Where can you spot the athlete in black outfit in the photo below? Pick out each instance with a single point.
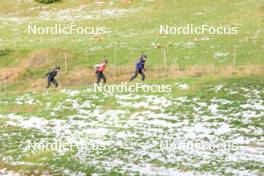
(51, 77)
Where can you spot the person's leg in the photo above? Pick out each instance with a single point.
(98, 75)
(142, 75)
(134, 76)
(103, 77)
(49, 83)
(55, 83)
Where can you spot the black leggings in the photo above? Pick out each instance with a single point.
(53, 81)
(141, 72)
(100, 75)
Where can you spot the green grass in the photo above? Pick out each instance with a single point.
(144, 23)
(133, 32)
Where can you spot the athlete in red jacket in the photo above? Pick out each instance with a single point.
(100, 71)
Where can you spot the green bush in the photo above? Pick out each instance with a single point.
(46, 1)
(4, 52)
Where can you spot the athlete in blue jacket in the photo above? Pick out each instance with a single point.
(140, 68)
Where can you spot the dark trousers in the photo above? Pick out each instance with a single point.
(53, 81)
(100, 75)
(141, 72)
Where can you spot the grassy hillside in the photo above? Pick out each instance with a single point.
(211, 123)
(133, 26)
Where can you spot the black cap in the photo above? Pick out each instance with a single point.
(105, 61)
(144, 56)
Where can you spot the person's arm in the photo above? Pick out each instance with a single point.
(46, 75)
(137, 65)
(97, 65)
(143, 63)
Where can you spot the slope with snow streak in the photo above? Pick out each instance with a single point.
(156, 135)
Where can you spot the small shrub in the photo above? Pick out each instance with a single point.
(182, 67)
(4, 52)
(46, 1)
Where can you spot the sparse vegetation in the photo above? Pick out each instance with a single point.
(47, 1)
(4, 52)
